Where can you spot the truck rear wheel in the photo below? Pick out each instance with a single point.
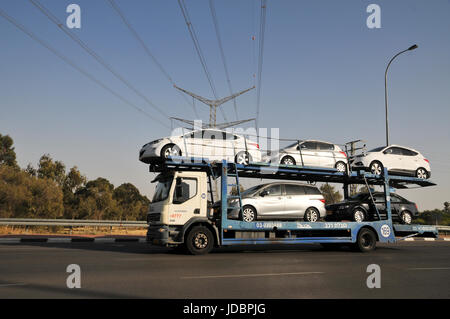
(199, 241)
(366, 240)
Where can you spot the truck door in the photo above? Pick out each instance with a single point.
(186, 201)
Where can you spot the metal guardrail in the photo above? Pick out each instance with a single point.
(70, 222)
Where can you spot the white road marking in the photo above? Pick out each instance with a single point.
(254, 275)
(435, 268)
(429, 239)
(409, 239)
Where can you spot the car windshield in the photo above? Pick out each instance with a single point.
(378, 149)
(251, 190)
(162, 189)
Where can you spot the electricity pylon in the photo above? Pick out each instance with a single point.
(214, 104)
(220, 126)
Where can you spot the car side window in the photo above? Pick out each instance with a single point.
(309, 145)
(408, 152)
(325, 146)
(312, 190)
(393, 151)
(213, 135)
(378, 198)
(395, 199)
(274, 190)
(294, 189)
(230, 137)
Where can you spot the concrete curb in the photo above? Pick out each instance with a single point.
(129, 240)
(425, 239)
(71, 240)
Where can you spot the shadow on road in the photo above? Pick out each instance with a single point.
(146, 249)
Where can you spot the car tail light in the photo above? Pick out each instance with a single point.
(426, 160)
(255, 144)
(322, 200)
(417, 207)
(343, 153)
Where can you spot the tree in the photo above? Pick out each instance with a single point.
(234, 192)
(25, 196)
(133, 206)
(7, 153)
(31, 170)
(95, 200)
(331, 195)
(54, 170)
(73, 182)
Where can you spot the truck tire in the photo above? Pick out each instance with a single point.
(199, 240)
(366, 241)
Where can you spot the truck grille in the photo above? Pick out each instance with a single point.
(153, 217)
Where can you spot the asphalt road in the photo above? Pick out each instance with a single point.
(136, 270)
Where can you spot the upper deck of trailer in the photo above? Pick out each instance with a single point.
(288, 172)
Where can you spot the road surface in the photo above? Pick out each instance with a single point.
(137, 270)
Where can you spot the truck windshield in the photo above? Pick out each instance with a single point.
(162, 189)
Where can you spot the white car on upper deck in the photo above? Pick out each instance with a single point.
(211, 144)
(311, 153)
(397, 159)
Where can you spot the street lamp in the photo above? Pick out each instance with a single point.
(385, 89)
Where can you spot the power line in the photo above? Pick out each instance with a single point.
(147, 50)
(198, 49)
(222, 53)
(75, 66)
(91, 52)
(262, 28)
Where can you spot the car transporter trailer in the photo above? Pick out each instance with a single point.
(199, 232)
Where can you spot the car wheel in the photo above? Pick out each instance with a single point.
(311, 215)
(422, 173)
(366, 240)
(199, 241)
(359, 215)
(288, 160)
(341, 167)
(243, 158)
(170, 150)
(376, 168)
(406, 217)
(248, 214)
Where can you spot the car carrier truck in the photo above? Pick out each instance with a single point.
(185, 214)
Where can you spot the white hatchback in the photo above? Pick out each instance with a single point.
(211, 144)
(312, 153)
(397, 159)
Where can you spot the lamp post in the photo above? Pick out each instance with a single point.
(385, 89)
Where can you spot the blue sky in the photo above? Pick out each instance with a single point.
(323, 77)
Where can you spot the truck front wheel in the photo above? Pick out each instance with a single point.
(199, 241)
(366, 241)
